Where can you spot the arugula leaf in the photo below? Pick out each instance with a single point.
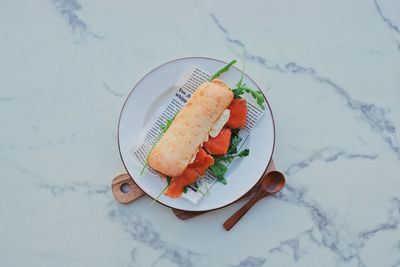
(235, 140)
(195, 187)
(243, 153)
(222, 180)
(165, 127)
(240, 82)
(229, 158)
(168, 179)
(242, 88)
(219, 170)
(146, 162)
(238, 90)
(205, 183)
(257, 95)
(223, 70)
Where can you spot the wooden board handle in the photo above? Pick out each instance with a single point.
(132, 191)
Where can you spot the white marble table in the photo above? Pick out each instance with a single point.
(331, 71)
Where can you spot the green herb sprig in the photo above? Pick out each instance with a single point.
(223, 70)
(168, 179)
(242, 88)
(165, 127)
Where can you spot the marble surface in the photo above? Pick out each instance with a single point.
(331, 71)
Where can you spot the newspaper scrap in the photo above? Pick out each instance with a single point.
(180, 94)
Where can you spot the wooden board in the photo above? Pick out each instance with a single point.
(133, 192)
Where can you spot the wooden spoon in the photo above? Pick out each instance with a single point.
(272, 183)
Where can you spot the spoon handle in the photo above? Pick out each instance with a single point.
(241, 212)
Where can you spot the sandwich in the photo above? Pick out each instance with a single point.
(202, 136)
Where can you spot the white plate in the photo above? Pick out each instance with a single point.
(149, 93)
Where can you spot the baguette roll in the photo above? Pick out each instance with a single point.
(191, 126)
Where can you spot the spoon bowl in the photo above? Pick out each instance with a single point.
(273, 182)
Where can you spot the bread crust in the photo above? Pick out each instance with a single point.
(171, 155)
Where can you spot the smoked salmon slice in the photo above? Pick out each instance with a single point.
(177, 184)
(219, 145)
(237, 118)
(202, 162)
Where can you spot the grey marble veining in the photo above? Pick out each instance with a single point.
(327, 154)
(69, 10)
(330, 71)
(370, 113)
(392, 26)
